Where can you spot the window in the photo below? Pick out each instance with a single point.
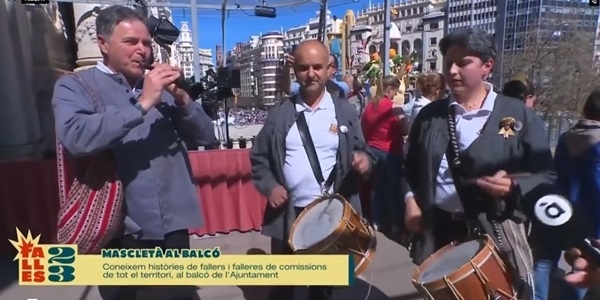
(433, 41)
(432, 66)
(434, 25)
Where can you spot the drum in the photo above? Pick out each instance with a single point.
(470, 270)
(330, 225)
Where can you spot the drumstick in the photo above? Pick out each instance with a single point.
(511, 176)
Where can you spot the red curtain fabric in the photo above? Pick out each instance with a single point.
(29, 195)
(229, 199)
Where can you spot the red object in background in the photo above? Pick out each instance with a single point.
(29, 196)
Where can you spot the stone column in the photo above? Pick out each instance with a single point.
(20, 134)
(88, 53)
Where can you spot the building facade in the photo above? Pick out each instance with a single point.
(246, 58)
(206, 60)
(511, 22)
(480, 14)
(271, 57)
(185, 52)
(433, 32)
(547, 19)
(408, 17)
(185, 49)
(310, 30)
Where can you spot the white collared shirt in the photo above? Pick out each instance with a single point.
(468, 127)
(102, 67)
(323, 128)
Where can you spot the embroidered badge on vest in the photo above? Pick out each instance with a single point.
(333, 128)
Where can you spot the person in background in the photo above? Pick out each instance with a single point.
(431, 87)
(384, 128)
(522, 90)
(356, 96)
(577, 163)
(292, 88)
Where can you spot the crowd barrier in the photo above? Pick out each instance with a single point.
(29, 196)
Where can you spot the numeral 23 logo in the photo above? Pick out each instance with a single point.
(62, 256)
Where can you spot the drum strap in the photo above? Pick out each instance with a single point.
(309, 147)
(454, 164)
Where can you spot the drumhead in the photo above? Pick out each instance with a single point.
(317, 223)
(449, 261)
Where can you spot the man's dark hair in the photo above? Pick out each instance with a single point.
(518, 89)
(110, 17)
(591, 108)
(477, 43)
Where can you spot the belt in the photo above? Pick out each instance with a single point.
(454, 216)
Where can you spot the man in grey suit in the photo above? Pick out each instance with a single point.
(279, 159)
(476, 161)
(144, 128)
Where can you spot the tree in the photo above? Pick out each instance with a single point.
(560, 64)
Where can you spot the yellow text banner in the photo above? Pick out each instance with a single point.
(51, 265)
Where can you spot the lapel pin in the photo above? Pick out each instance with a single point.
(507, 125)
(343, 129)
(518, 126)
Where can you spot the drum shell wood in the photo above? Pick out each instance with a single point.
(352, 236)
(465, 279)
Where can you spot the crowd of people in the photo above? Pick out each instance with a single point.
(453, 167)
(245, 116)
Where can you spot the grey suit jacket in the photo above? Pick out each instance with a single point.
(526, 152)
(268, 157)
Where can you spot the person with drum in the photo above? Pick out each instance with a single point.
(474, 161)
(310, 145)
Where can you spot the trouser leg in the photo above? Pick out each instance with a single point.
(281, 292)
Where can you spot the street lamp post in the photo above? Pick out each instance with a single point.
(386, 38)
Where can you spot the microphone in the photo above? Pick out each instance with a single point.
(556, 211)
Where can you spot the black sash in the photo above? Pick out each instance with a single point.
(309, 147)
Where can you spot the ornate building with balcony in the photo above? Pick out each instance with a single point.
(185, 49)
(408, 19)
(433, 32)
(271, 55)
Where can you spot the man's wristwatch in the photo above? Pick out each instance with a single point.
(140, 107)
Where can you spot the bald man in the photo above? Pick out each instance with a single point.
(292, 88)
(280, 154)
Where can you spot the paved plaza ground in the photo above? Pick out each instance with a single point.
(389, 275)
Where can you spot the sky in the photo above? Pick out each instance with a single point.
(242, 24)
